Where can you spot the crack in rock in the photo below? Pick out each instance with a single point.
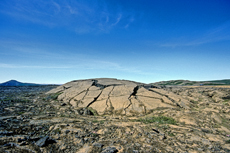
(135, 89)
(172, 100)
(77, 95)
(86, 92)
(141, 103)
(81, 93)
(95, 99)
(111, 106)
(101, 86)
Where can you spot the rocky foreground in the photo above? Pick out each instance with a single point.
(109, 115)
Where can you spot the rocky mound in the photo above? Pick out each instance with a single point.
(121, 97)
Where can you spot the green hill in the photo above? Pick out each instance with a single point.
(189, 83)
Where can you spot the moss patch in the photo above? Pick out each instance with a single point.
(157, 119)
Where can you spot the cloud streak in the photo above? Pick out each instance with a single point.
(84, 64)
(217, 34)
(12, 66)
(80, 16)
(22, 51)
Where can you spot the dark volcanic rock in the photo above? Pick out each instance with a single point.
(98, 145)
(42, 142)
(45, 141)
(6, 133)
(109, 150)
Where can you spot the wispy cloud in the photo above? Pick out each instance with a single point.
(20, 49)
(58, 7)
(57, 60)
(85, 64)
(113, 66)
(219, 33)
(12, 66)
(80, 16)
(30, 11)
(117, 20)
(131, 20)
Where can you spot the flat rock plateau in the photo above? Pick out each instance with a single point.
(109, 115)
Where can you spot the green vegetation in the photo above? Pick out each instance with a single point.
(225, 122)
(15, 99)
(7, 99)
(20, 113)
(220, 82)
(188, 83)
(216, 125)
(95, 121)
(228, 141)
(175, 82)
(23, 100)
(226, 102)
(158, 119)
(194, 102)
(57, 131)
(212, 84)
(178, 83)
(93, 111)
(63, 115)
(171, 134)
(53, 96)
(94, 134)
(98, 121)
(165, 127)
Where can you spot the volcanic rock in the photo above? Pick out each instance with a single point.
(193, 119)
(42, 142)
(112, 96)
(45, 141)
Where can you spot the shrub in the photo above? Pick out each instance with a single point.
(93, 111)
(158, 119)
(53, 96)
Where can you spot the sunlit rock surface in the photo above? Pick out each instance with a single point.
(112, 96)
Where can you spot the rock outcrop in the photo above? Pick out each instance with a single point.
(112, 96)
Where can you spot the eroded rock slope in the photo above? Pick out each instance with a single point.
(112, 96)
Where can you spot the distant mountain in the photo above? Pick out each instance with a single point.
(12, 83)
(188, 82)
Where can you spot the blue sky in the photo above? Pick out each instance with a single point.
(56, 41)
